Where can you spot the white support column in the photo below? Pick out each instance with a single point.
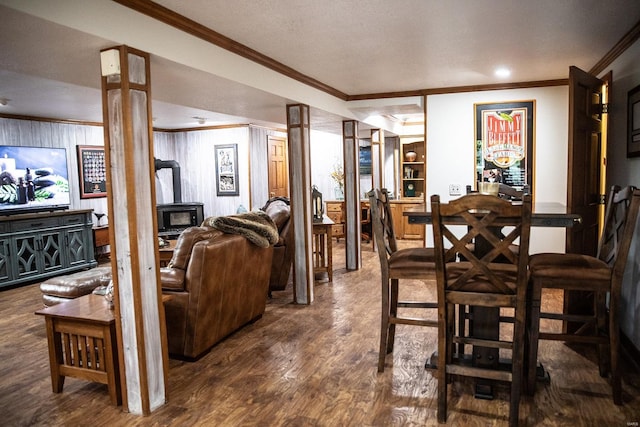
(377, 157)
(141, 329)
(300, 192)
(353, 214)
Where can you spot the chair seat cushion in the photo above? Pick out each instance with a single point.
(413, 259)
(573, 267)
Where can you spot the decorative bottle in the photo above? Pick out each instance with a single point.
(31, 191)
(22, 192)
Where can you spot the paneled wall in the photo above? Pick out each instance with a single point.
(195, 153)
(58, 135)
(258, 154)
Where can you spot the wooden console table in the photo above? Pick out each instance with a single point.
(323, 247)
(82, 343)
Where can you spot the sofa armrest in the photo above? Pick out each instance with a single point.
(172, 279)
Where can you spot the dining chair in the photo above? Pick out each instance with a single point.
(395, 264)
(481, 281)
(601, 275)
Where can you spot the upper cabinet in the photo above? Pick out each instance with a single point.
(413, 168)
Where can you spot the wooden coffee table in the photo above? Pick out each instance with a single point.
(82, 343)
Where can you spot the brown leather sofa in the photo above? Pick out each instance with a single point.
(280, 212)
(219, 283)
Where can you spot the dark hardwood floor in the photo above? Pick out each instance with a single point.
(304, 366)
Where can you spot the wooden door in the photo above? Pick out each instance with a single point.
(278, 167)
(587, 140)
(585, 186)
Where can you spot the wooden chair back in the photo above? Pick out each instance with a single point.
(382, 224)
(615, 219)
(485, 217)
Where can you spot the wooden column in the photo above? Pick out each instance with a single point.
(300, 193)
(352, 195)
(377, 157)
(141, 329)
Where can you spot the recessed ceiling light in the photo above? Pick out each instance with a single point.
(502, 72)
(4, 101)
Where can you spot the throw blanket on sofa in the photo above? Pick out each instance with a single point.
(257, 227)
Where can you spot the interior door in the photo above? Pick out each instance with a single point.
(586, 172)
(278, 167)
(587, 141)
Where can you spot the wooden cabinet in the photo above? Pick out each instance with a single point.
(401, 225)
(335, 211)
(413, 171)
(40, 245)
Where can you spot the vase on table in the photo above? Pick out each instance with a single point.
(339, 192)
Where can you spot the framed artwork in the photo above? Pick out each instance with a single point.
(633, 122)
(365, 160)
(227, 170)
(504, 143)
(92, 171)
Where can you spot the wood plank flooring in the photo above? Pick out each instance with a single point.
(304, 366)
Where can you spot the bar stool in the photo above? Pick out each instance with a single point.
(601, 275)
(396, 264)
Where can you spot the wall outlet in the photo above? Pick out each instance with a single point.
(455, 190)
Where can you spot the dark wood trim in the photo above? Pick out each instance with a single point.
(45, 119)
(193, 129)
(185, 24)
(623, 44)
(460, 89)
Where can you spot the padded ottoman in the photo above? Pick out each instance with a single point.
(63, 288)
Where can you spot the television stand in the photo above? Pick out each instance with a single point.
(40, 245)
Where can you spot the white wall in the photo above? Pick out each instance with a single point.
(326, 151)
(451, 147)
(626, 171)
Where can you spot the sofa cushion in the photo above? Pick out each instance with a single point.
(184, 245)
(76, 284)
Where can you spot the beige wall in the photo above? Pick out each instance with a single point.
(451, 147)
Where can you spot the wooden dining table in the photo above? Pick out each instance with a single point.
(486, 320)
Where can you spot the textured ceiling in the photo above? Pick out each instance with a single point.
(354, 46)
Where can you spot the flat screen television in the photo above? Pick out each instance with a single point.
(33, 179)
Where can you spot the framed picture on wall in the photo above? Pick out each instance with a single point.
(504, 143)
(227, 170)
(365, 160)
(92, 171)
(633, 122)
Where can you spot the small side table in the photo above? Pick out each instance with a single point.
(166, 253)
(100, 240)
(323, 247)
(82, 343)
